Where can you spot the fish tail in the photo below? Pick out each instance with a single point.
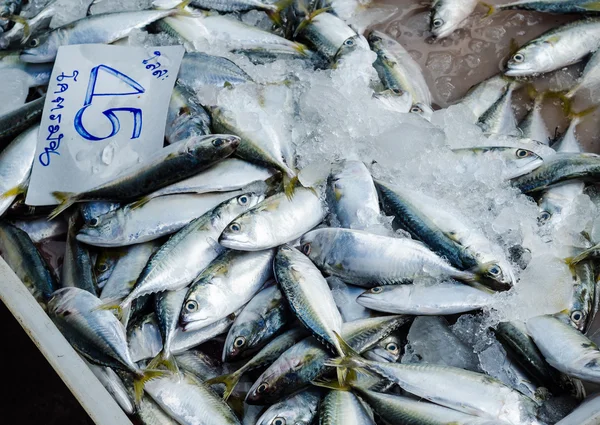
(591, 5)
(578, 116)
(309, 17)
(180, 9)
(289, 185)
(346, 352)
(15, 191)
(490, 7)
(140, 382)
(22, 21)
(332, 385)
(65, 199)
(301, 48)
(139, 203)
(274, 11)
(113, 305)
(230, 381)
(164, 359)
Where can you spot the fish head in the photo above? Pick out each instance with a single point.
(247, 232)
(283, 414)
(42, 48)
(446, 17)
(533, 58)
(422, 109)
(497, 275)
(103, 229)
(316, 244)
(518, 160)
(240, 337)
(378, 294)
(203, 304)
(272, 384)
(387, 350)
(376, 40)
(212, 146)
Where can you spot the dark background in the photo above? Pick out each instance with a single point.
(31, 392)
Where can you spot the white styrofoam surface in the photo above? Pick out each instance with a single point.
(90, 393)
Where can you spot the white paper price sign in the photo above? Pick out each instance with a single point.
(105, 111)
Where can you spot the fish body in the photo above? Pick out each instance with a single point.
(262, 318)
(517, 160)
(275, 221)
(227, 6)
(482, 96)
(500, 118)
(41, 229)
(308, 294)
(438, 299)
(92, 210)
(168, 309)
(343, 407)
(145, 340)
(553, 6)
(16, 121)
(328, 34)
(298, 409)
(154, 219)
(201, 69)
(151, 413)
(590, 77)
(77, 270)
(225, 286)
(371, 260)
(16, 161)
(179, 261)
(556, 48)
(533, 125)
(24, 259)
(352, 195)
(115, 387)
(185, 116)
(201, 365)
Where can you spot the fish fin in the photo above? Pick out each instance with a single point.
(301, 48)
(332, 385)
(139, 203)
(274, 12)
(230, 381)
(593, 5)
(15, 191)
(140, 382)
(22, 21)
(552, 40)
(347, 350)
(166, 360)
(289, 185)
(581, 114)
(112, 305)
(490, 7)
(308, 19)
(65, 199)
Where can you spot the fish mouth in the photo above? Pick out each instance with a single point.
(32, 57)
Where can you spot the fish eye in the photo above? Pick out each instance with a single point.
(374, 37)
(34, 42)
(306, 249)
(376, 290)
(262, 388)
(349, 42)
(397, 91)
(576, 316)
(495, 270)
(523, 153)
(544, 216)
(239, 341)
(278, 421)
(392, 347)
(416, 109)
(235, 227)
(102, 267)
(94, 222)
(191, 306)
(243, 200)
(438, 22)
(218, 142)
(519, 57)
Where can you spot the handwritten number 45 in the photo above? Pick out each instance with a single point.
(110, 114)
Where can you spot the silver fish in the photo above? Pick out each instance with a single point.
(200, 69)
(565, 348)
(224, 286)
(92, 210)
(518, 160)
(328, 34)
(345, 297)
(398, 71)
(168, 308)
(308, 295)
(168, 165)
(275, 221)
(388, 350)
(533, 126)
(201, 365)
(151, 413)
(556, 48)
(421, 300)
(115, 386)
(468, 392)
(343, 407)
(482, 96)
(16, 121)
(589, 79)
(228, 175)
(184, 340)
(189, 251)
(553, 6)
(16, 162)
(189, 402)
(299, 409)
(102, 28)
(371, 260)
(145, 340)
(228, 6)
(41, 229)
(500, 118)
(352, 195)
(24, 259)
(262, 318)
(160, 216)
(449, 15)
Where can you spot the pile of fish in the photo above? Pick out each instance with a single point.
(316, 242)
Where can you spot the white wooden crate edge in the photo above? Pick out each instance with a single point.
(78, 377)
